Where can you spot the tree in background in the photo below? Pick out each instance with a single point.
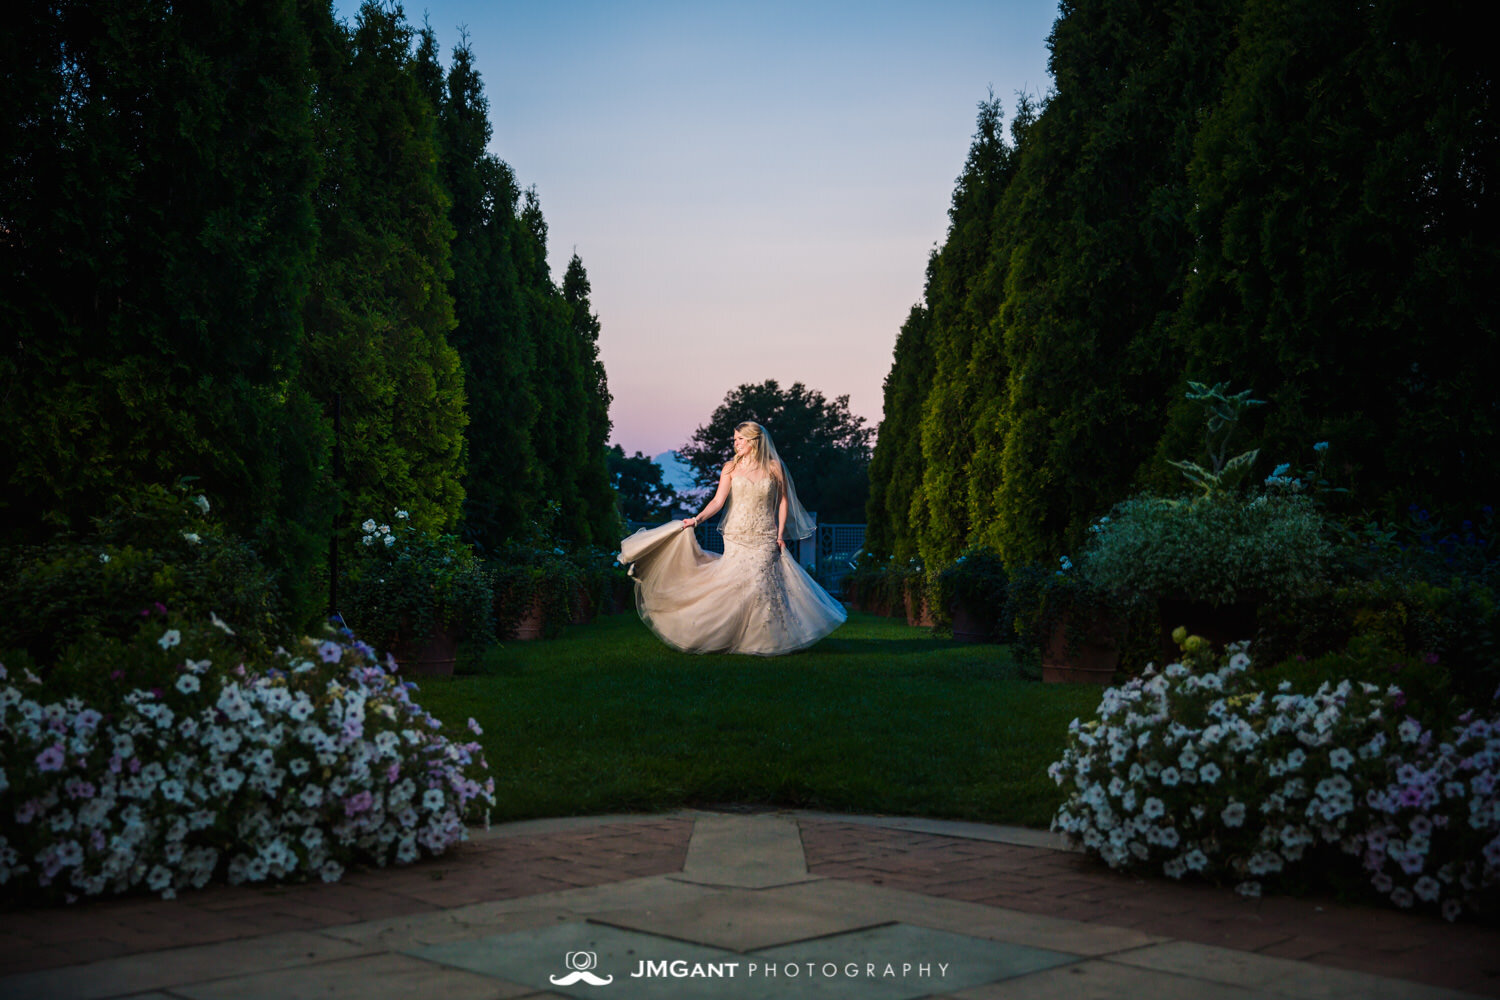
(562, 384)
(637, 481)
(826, 447)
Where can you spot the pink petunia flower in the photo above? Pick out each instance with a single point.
(51, 759)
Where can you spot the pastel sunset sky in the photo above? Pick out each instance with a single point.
(754, 188)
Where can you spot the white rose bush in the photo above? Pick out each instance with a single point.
(1199, 770)
(286, 765)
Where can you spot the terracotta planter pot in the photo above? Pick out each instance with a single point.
(1092, 661)
(431, 656)
(621, 596)
(583, 601)
(970, 625)
(529, 628)
(852, 597)
(917, 611)
(1220, 625)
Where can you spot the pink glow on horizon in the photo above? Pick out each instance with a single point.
(754, 189)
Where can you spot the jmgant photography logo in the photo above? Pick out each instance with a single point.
(582, 963)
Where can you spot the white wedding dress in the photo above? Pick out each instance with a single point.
(754, 598)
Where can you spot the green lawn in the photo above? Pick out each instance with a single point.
(878, 718)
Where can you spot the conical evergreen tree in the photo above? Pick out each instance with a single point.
(557, 379)
(1347, 211)
(599, 521)
(379, 313)
(939, 512)
(1098, 221)
(494, 333)
(529, 349)
(896, 466)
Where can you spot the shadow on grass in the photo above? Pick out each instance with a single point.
(916, 645)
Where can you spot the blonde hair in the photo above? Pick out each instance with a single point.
(760, 443)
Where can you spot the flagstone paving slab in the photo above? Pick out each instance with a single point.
(162, 969)
(951, 961)
(375, 977)
(656, 890)
(896, 905)
(1277, 975)
(419, 930)
(751, 852)
(743, 920)
(484, 919)
(536, 958)
(1103, 980)
(1020, 835)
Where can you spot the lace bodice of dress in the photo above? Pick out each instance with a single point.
(753, 507)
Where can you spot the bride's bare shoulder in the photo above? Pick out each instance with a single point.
(728, 467)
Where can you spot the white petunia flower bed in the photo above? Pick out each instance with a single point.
(291, 768)
(1198, 769)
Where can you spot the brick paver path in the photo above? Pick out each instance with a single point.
(493, 868)
(1061, 884)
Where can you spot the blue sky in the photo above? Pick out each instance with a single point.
(753, 188)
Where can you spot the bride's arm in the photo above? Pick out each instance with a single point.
(715, 503)
(781, 506)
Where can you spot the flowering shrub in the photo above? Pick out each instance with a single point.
(1151, 547)
(1435, 835)
(408, 582)
(297, 765)
(165, 542)
(1199, 769)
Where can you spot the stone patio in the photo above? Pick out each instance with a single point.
(741, 904)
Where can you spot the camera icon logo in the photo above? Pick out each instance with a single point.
(581, 963)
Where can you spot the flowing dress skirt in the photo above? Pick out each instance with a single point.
(754, 599)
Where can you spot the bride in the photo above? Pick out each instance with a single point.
(752, 599)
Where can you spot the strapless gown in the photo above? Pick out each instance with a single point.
(754, 599)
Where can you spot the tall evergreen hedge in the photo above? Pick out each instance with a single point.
(224, 222)
(1297, 197)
